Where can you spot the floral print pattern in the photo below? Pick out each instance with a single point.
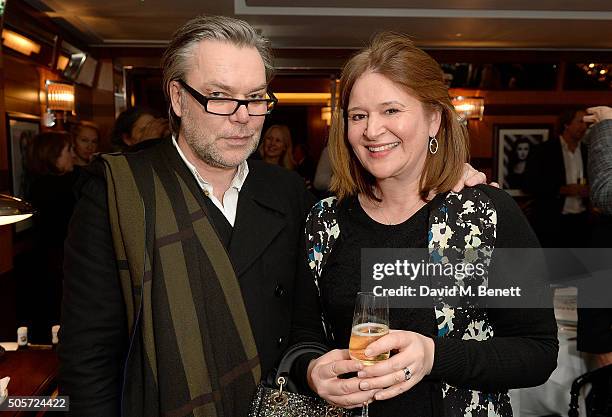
(461, 230)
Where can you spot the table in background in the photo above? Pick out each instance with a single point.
(32, 372)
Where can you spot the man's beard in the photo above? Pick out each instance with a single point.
(205, 145)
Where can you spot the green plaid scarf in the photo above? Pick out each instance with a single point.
(192, 351)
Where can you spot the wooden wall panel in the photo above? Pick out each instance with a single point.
(22, 86)
(103, 107)
(83, 97)
(317, 132)
(24, 83)
(6, 232)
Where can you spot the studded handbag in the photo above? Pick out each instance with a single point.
(279, 397)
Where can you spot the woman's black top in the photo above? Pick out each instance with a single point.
(523, 351)
(53, 198)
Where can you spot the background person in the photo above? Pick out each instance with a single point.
(557, 179)
(135, 126)
(594, 322)
(51, 194)
(85, 143)
(304, 164)
(600, 156)
(276, 147)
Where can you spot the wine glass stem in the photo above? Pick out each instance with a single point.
(364, 410)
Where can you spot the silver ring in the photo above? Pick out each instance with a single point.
(407, 373)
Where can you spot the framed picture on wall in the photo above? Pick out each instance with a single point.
(21, 130)
(514, 144)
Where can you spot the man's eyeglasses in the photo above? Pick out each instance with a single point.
(228, 106)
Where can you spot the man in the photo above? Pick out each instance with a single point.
(557, 179)
(594, 322)
(600, 157)
(181, 259)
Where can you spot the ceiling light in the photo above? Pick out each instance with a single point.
(19, 43)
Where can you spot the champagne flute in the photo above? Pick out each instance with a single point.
(370, 323)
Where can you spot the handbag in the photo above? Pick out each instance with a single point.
(280, 398)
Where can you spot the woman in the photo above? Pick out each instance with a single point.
(397, 149)
(51, 154)
(276, 147)
(86, 141)
(518, 163)
(51, 167)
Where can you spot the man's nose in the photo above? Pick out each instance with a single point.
(241, 115)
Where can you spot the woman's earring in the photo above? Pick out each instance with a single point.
(433, 145)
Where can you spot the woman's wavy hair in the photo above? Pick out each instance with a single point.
(394, 56)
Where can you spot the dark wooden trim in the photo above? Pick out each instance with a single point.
(20, 10)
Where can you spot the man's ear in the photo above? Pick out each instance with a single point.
(175, 98)
(434, 122)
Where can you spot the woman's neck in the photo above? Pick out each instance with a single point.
(272, 159)
(80, 161)
(399, 201)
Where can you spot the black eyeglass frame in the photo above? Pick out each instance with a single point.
(203, 100)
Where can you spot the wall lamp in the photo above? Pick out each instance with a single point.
(468, 107)
(13, 209)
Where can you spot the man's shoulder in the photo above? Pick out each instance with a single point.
(147, 149)
(278, 186)
(153, 154)
(275, 174)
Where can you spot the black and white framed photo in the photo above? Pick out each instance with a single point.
(514, 146)
(21, 130)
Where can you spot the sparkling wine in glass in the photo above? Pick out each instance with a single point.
(370, 323)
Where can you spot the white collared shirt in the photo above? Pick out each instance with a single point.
(230, 198)
(574, 174)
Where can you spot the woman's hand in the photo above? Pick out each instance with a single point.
(597, 114)
(323, 379)
(402, 371)
(470, 178)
